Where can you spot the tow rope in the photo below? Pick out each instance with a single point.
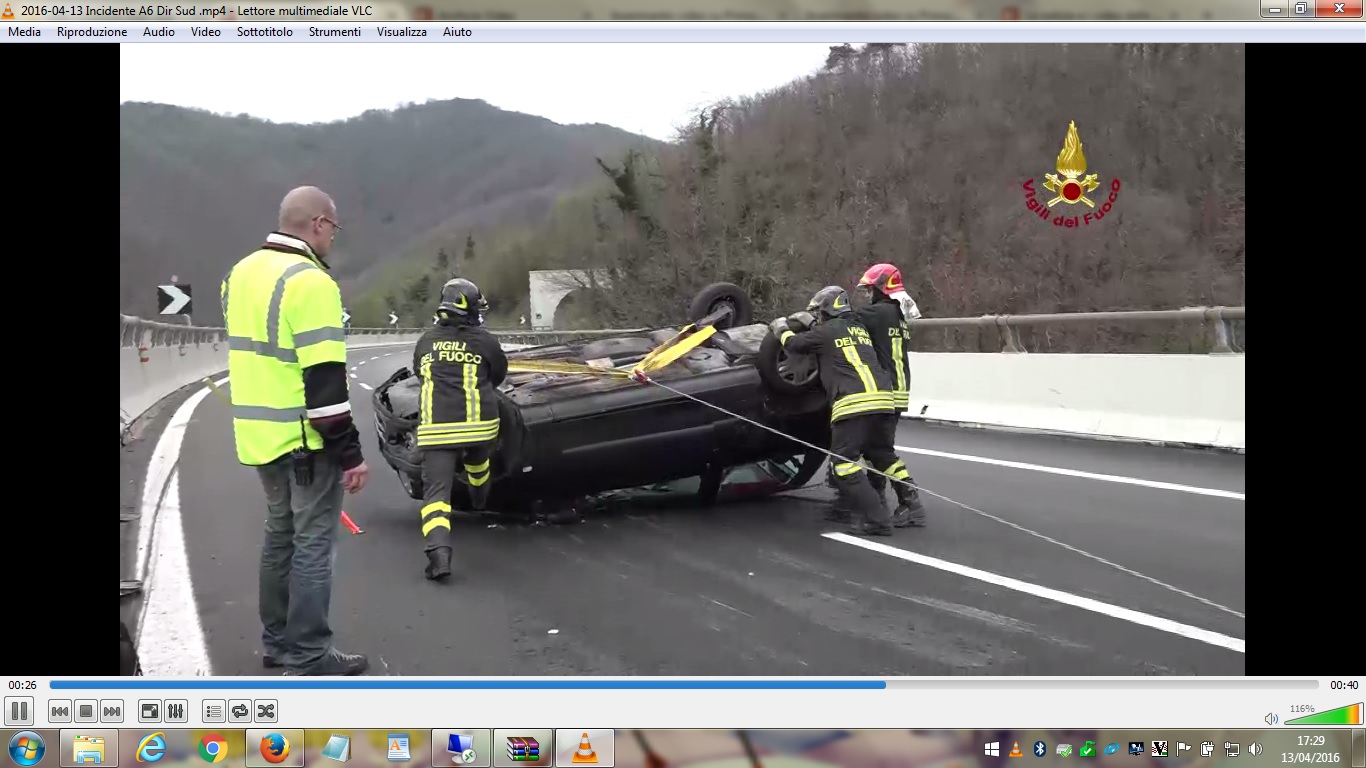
(642, 378)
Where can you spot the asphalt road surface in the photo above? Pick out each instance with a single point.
(1071, 557)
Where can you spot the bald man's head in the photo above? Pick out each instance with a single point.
(309, 214)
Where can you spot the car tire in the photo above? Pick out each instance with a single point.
(626, 346)
(717, 295)
(769, 364)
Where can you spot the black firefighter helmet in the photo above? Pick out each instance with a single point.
(463, 299)
(830, 301)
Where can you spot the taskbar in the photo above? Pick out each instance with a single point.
(272, 746)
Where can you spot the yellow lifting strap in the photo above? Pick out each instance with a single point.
(560, 366)
(670, 351)
(665, 354)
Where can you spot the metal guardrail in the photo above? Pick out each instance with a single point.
(1006, 325)
(136, 331)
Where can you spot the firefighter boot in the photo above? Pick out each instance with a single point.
(438, 564)
(438, 551)
(855, 496)
(910, 512)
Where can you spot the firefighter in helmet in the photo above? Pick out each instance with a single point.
(883, 313)
(460, 365)
(860, 395)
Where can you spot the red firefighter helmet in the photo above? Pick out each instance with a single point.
(883, 277)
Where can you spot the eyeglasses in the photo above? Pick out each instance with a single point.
(335, 226)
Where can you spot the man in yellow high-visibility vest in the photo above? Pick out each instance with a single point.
(291, 418)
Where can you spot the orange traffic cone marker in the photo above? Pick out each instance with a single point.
(8, 14)
(585, 753)
(1015, 750)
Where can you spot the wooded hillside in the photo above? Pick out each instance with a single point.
(199, 191)
(917, 155)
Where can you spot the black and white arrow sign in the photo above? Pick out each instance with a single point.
(346, 317)
(393, 319)
(174, 299)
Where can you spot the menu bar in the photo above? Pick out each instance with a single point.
(675, 32)
(685, 10)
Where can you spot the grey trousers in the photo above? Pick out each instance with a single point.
(440, 468)
(296, 561)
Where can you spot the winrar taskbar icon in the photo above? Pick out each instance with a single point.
(523, 749)
(516, 748)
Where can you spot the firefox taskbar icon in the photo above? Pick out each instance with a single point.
(274, 748)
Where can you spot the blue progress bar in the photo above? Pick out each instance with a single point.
(391, 684)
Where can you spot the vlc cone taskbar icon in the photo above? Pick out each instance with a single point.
(275, 747)
(213, 748)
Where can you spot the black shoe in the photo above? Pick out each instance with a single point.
(438, 563)
(270, 662)
(909, 516)
(838, 516)
(334, 663)
(869, 528)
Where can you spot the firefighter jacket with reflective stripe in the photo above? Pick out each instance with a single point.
(849, 369)
(287, 356)
(460, 366)
(892, 339)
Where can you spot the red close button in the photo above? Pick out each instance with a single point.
(1337, 9)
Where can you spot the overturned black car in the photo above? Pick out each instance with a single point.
(574, 424)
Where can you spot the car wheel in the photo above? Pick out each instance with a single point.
(717, 296)
(783, 374)
(412, 486)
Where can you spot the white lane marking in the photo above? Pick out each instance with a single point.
(1077, 473)
(363, 362)
(172, 642)
(171, 623)
(376, 357)
(1066, 598)
(367, 387)
(354, 376)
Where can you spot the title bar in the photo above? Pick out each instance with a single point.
(682, 32)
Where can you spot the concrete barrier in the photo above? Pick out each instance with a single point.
(1173, 399)
(149, 373)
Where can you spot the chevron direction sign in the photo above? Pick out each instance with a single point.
(174, 299)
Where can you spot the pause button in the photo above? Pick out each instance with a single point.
(18, 710)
